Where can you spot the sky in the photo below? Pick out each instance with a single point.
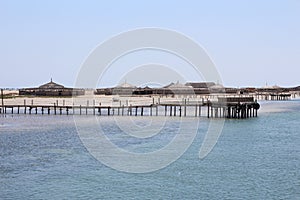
(252, 43)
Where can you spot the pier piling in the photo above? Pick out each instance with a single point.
(237, 108)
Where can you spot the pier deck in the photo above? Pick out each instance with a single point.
(239, 108)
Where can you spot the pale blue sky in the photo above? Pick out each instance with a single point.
(251, 42)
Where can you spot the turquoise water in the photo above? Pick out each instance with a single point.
(42, 157)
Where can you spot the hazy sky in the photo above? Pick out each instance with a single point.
(251, 42)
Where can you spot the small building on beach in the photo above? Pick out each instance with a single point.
(51, 89)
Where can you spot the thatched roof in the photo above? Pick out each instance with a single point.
(178, 86)
(126, 85)
(51, 85)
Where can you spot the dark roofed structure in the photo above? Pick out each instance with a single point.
(201, 84)
(51, 89)
(294, 88)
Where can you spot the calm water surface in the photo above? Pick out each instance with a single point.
(42, 157)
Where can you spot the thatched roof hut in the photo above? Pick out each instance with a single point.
(51, 89)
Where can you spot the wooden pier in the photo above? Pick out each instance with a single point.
(225, 107)
(276, 96)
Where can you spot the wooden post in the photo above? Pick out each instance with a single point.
(180, 111)
(48, 110)
(136, 110)
(2, 100)
(122, 110)
(151, 109)
(166, 110)
(242, 112)
(235, 112)
(196, 110)
(142, 111)
(24, 106)
(185, 107)
(99, 109)
(130, 109)
(35, 110)
(86, 108)
(208, 109)
(79, 109)
(174, 110)
(94, 103)
(170, 110)
(18, 109)
(54, 109)
(199, 110)
(108, 111)
(229, 112)
(156, 110)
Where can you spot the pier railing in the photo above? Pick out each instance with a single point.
(223, 108)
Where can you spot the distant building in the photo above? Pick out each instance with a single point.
(103, 91)
(295, 89)
(144, 91)
(190, 88)
(124, 89)
(51, 89)
(202, 85)
(180, 89)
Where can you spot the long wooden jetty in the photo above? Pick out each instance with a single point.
(225, 107)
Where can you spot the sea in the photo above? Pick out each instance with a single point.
(44, 157)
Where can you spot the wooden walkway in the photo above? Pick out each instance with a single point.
(233, 108)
